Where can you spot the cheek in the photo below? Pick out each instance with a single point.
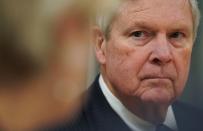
(123, 65)
(182, 62)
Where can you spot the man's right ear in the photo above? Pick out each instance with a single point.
(99, 44)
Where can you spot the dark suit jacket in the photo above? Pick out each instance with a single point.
(97, 115)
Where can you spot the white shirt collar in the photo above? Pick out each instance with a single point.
(134, 122)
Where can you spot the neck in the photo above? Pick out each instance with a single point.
(22, 104)
(150, 112)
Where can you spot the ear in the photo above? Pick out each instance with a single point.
(99, 44)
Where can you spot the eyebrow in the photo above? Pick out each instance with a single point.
(141, 25)
(176, 26)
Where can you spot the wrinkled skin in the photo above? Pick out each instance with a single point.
(146, 58)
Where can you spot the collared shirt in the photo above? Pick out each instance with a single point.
(135, 123)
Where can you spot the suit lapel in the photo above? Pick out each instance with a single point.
(100, 114)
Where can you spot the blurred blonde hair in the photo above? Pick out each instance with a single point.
(28, 27)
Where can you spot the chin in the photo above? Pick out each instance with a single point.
(158, 96)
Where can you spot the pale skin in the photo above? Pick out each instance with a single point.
(145, 60)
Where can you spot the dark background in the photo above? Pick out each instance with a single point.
(193, 93)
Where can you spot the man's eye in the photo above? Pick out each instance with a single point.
(177, 38)
(176, 35)
(139, 34)
(140, 37)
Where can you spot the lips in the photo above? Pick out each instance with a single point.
(156, 76)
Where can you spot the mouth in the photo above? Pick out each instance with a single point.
(156, 77)
(156, 82)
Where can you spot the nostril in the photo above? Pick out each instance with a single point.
(156, 61)
(160, 57)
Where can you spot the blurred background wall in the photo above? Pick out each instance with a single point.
(194, 90)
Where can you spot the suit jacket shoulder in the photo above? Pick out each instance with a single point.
(188, 118)
(97, 115)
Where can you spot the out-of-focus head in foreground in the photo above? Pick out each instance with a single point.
(44, 51)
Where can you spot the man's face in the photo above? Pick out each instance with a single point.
(147, 55)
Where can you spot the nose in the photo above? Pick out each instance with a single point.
(161, 51)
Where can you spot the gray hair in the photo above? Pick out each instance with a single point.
(107, 13)
(196, 15)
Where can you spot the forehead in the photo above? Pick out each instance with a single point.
(155, 12)
(156, 5)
